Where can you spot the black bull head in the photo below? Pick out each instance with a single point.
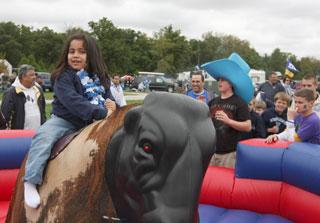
(157, 160)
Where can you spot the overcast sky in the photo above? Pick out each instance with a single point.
(291, 25)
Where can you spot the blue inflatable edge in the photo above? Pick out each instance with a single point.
(301, 166)
(259, 162)
(211, 213)
(297, 165)
(13, 151)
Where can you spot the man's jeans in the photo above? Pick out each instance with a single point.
(42, 143)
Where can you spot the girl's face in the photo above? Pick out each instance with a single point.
(77, 55)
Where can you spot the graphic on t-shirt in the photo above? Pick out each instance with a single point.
(226, 108)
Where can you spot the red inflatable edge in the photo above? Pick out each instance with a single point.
(16, 133)
(261, 143)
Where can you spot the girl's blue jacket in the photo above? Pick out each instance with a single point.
(70, 103)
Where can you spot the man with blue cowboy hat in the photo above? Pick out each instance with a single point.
(229, 111)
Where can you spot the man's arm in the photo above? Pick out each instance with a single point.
(244, 126)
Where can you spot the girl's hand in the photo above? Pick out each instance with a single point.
(271, 139)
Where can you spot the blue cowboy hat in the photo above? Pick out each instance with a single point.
(235, 70)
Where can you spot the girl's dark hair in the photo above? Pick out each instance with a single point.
(95, 62)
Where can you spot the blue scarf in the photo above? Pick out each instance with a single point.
(93, 90)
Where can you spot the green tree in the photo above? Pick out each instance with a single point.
(209, 47)
(277, 61)
(30, 59)
(219, 46)
(47, 47)
(124, 50)
(127, 50)
(9, 42)
(172, 50)
(114, 43)
(309, 65)
(141, 54)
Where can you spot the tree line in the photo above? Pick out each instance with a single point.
(129, 51)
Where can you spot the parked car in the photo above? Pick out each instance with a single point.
(160, 83)
(46, 83)
(137, 80)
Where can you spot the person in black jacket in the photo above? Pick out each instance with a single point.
(81, 95)
(257, 125)
(3, 123)
(23, 104)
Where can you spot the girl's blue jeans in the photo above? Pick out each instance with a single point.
(42, 143)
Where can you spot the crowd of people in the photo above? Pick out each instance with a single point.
(275, 112)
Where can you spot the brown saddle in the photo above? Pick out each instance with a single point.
(62, 143)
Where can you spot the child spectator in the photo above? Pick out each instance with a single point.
(275, 117)
(259, 106)
(257, 126)
(305, 126)
(310, 81)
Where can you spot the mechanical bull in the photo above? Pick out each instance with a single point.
(142, 164)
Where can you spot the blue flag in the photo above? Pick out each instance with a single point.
(291, 67)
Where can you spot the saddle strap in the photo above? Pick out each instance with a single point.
(62, 143)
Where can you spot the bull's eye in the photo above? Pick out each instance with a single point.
(147, 147)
